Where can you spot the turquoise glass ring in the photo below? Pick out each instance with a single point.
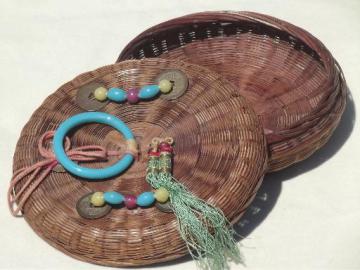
(85, 118)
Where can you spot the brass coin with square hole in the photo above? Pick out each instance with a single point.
(179, 80)
(164, 207)
(86, 100)
(86, 210)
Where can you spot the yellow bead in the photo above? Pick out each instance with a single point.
(100, 93)
(131, 143)
(97, 199)
(161, 195)
(132, 147)
(165, 86)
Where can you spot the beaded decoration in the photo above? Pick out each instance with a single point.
(145, 199)
(133, 95)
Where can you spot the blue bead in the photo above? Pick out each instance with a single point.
(145, 199)
(113, 197)
(149, 91)
(116, 94)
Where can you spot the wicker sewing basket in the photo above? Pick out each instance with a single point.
(220, 155)
(290, 78)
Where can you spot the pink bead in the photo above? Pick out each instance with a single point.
(133, 96)
(130, 201)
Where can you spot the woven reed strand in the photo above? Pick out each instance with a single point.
(220, 156)
(290, 78)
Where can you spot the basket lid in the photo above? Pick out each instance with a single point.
(220, 156)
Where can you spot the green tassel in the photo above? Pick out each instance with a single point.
(203, 227)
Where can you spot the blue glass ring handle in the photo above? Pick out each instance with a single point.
(84, 118)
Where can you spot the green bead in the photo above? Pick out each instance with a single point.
(100, 93)
(165, 86)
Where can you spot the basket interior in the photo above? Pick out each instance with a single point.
(281, 75)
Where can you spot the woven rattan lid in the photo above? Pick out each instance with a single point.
(219, 155)
(289, 77)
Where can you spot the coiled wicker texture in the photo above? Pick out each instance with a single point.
(290, 78)
(220, 155)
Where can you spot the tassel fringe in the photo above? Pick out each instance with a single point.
(204, 228)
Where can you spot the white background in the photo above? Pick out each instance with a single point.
(306, 217)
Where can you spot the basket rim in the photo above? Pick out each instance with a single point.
(235, 16)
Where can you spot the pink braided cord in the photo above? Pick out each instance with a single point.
(40, 170)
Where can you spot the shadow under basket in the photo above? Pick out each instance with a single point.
(220, 156)
(291, 80)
